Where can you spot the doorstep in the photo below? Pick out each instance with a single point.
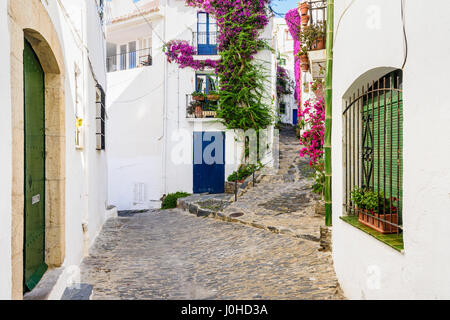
(50, 287)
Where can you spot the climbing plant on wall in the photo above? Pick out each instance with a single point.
(293, 21)
(243, 95)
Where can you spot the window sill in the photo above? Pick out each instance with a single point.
(392, 240)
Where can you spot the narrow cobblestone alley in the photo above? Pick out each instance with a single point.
(171, 254)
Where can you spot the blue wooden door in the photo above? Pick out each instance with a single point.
(209, 162)
(206, 34)
(294, 116)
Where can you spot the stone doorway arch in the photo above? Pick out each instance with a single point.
(28, 19)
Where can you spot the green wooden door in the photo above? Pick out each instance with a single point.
(34, 184)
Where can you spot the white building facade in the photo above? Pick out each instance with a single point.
(152, 132)
(284, 46)
(383, 50)
(54, 170)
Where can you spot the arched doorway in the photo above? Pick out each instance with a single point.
(35, 137)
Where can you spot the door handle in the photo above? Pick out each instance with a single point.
(30, 182)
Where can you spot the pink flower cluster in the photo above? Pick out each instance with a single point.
(181, 52)
(312, 140)
(293, 21)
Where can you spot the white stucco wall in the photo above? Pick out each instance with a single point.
(78, 27)
(86, 169)
(284, 45)
(6, 159)
(150, 139)
(370, 36)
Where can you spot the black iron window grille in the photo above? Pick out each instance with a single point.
(373, 153)
(100, 118)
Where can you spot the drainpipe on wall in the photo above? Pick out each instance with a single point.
(328, 113)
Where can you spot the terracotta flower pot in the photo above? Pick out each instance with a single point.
(304, 67)
(213, 97)
(199, 111)
(319, 44)
(198, 98)
(305, 20)
(304, 7)
(370, 220)
(304, 59)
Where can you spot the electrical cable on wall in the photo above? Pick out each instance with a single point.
(405, 37)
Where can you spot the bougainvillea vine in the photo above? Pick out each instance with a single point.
(293, 21)
(284, 83)
(243, 95)
(181, 52)
(312, 139)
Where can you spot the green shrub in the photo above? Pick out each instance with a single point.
(170, 201)
(243, 172)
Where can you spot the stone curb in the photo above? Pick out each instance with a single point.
(197, 210)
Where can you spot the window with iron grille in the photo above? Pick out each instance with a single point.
(373, 154)
(100, 118)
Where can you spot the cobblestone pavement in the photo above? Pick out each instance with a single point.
(172, 254)
(281, 202)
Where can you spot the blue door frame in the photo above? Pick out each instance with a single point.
(209, 162)
(294, 116)
(206, 39)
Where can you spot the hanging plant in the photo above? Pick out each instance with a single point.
(293, 21)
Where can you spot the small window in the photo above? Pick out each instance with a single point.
(100, 118)
(282, 108)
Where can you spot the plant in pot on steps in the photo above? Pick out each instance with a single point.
(375, 211)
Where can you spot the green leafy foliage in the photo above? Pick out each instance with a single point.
(170, 201)
(243, 172)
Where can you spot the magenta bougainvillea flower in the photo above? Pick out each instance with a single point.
(182, 52)
(312, 139)
(293, 21)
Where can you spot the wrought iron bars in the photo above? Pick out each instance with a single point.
(372, 150)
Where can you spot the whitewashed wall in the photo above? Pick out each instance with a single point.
(6, 158)
(369, 42)
(150, 140)
(285, 46)
(86, 170)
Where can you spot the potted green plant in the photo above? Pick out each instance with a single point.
(313, 36)
(198, 96)
(369, 204)
(190, 110)
(317, 87)
(304, 59)
(213, 96)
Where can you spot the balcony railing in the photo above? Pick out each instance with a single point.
(318, 12)
(129, 60)
(206, 107)
(205, 42)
